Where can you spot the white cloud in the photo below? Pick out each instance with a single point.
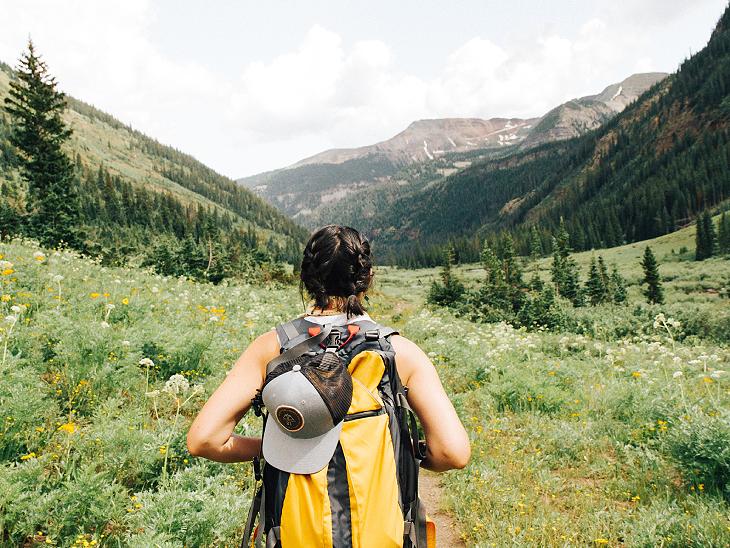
(323, 92)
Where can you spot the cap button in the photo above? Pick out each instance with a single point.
(296, 367)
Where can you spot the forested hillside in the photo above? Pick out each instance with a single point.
(645, 173)
(352, 184)
(137, 193)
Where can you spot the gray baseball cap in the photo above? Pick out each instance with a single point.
(307, 400)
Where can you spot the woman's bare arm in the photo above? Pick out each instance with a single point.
(446, 439)
(211, 434)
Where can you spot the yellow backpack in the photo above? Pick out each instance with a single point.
(367, 496)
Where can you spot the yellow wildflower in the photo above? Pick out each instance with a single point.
(69, 427)
(29, 456)
(94, 295)
(125, 300)
(8, 271)
(5, 298)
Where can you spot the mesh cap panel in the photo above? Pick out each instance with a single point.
(328, 375)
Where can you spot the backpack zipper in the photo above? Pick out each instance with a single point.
(365, 414)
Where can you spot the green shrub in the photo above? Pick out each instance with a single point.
(700, 444)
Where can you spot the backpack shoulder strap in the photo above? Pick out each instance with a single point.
(291, 331)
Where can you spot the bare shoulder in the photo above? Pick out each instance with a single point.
(409, 357)
(403, 345)
(268, 342)
(260, 351)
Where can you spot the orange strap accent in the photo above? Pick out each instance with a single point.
(353, 330)
(314, 330)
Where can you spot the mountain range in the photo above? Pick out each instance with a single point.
(641, 159)
(428, 150)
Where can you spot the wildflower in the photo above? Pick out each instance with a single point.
(677, 374)
(5, 298)
(105, 325)
(29, 456)
(8, 271)
(57, 278)
(153, 393)
(717, 373)
(11, 319)
(155, 289)
(126, 343)
(94, 295)
(110, 306)
(176, 384)
(39, 256)
(146, 362)
(213, 319)
(15, 308)
(69, 427)
(125, 300)
(636, 374)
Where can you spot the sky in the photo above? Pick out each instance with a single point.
(247, 87)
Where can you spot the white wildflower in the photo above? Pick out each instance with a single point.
(57, 278)
(176, 384)
(105, 325)
(213, 319)
(126, 343)
(110, 306)
(15, 308)
(146, 362)
(677, 374)
(11, 319)
(717, 373)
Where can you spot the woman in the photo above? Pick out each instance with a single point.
(336, 272)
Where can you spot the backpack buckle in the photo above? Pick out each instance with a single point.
(334, 338)
(372, 334)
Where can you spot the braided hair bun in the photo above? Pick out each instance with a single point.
(337, 264)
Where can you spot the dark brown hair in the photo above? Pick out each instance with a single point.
(336, 263)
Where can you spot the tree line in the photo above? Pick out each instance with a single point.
(65, 202)
(503, 294)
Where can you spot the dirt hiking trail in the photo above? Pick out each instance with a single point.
(431, 493)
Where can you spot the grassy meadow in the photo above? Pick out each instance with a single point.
(616, 436)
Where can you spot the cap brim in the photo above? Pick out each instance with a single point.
(298, 455)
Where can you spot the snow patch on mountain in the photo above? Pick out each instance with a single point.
(620, 89)
(425, 149)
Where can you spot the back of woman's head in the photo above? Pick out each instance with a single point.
(337, 264)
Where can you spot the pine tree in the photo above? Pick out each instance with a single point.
(38, 132)
(617, 286)
(710, 234)
(700, 240)
(450, 291)
(603, 273)
(564, 269)
(705, 238)
(723, 234)
(510, 266)
(654, 292)
(595, 287)
(535, 244)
